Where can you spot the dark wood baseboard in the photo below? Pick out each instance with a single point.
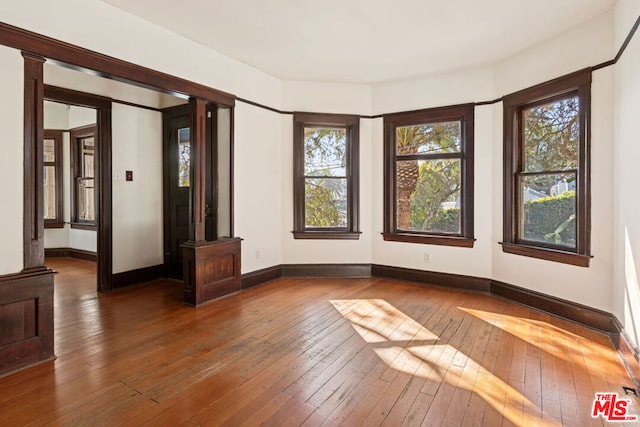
(326, 270)
(70, 253)
(140, 275)
(457, 281)
(629, 353)
(261, 276)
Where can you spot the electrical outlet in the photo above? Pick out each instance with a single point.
(427, 258)
(257, 254)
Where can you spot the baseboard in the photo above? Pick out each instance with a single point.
(457, 281)
(582, 314)
(629, 353)
(70, 253)
(326, 270)
(140, 275)
(260, 276)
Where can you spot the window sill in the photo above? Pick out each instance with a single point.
(84, 226)
(462, 242)
(547, 254)
(53, 224)
(327, 235)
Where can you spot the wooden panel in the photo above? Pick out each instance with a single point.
(211, 269)
(138, 275)
(326, 270)
(26, 319)
(18, 320)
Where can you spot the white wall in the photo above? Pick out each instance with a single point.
(626, 148)
(258, 173)
(137, 205)
(11, 123)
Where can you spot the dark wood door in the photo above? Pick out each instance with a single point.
(177, 168)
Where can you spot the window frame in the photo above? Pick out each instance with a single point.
(351, 124)
(574, 84)
(463, 113)
(56, 136)
(75, 135)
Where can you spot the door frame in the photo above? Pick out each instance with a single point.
(104, 210)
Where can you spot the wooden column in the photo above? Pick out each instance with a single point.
(26, 298)
(33, 249)
(211, 269)
(198, 168)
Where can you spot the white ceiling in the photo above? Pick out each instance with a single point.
(365, 41)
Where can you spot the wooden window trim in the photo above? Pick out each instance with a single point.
(578, 83)
(56, 136)
(74, 135)
(465, 114)
(352, 125)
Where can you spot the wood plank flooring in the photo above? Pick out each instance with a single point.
(308, 352)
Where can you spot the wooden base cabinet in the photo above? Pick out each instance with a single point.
(211, 269)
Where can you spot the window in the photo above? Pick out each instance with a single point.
(547, 199)
(326, 176)
(428, 176)
(83, 143)
(52, 175)
(184, 157)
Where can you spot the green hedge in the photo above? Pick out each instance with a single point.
(446, 221)
(543, 216)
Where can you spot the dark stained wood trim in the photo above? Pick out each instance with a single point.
(198, 185)
(457, 281)
(139, 275)
(75, 166)
(547, 254)
(587, 316)
(629, 353)
(36, 347)
(104, 208)
(458, 241)
(258, 277)
(326, 270)
(74, 97)
(70, 253)
(327, 235)
(33, 200)
(76, 57)
(232, 155)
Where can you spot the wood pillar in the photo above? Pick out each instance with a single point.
(33, 249)
(198, 169)
(26, 298)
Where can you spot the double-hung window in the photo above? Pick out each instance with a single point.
(546, 181)
(83, 145)
(428, 176)
(52, 174)
(326, 179)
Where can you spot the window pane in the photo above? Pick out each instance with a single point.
(49, 150)
(325, 152)
(548, 209)
(49, 192)
(552, 135)
(87, 164)
(325, 202)
(86, 199)
(184, 157)
(428, 195)
(428, 138)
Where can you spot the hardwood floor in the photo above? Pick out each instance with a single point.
(308, 352)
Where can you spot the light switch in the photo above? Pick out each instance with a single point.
(129, 175)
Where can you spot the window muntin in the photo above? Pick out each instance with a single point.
(52, 176)
(546, 171)
(429, 176)
(325, 176)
